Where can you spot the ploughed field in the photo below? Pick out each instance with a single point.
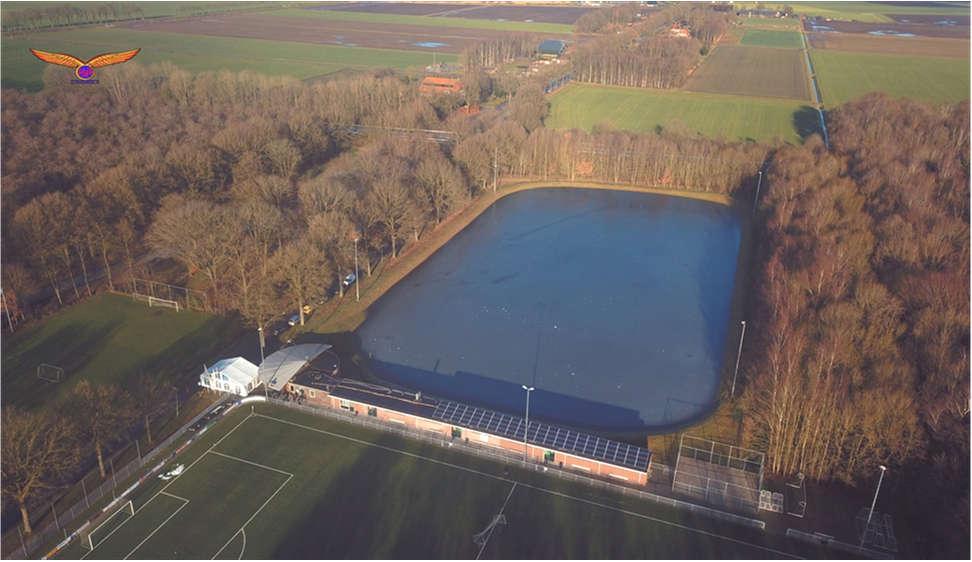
(753, 71)
(926, 46)
(548, 14)
(331, 32)
(614, 305)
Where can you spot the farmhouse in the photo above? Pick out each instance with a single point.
(679, 32)
(440, 85)
(235, 375)
(551, 48)
(545, 443)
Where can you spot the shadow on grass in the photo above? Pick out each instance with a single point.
(806, 122)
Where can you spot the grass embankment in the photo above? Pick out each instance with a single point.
(107, 339)
(844, 76)
(406, 20)
(583, 106)
(301, 486)
(197, 53)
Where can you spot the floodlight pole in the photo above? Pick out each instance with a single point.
(742, 337)
(260, 332)
(5, 308)
(756, 198)
(873, 503)
(357, 285)
(526, 430)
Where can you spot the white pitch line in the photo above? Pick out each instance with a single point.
(259, 509)
(162, 524)
(490, 534)
(164, 493)
(256, 464)
(493, 476)
(242, 550)
(108, 536)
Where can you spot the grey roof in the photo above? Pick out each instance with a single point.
(278, 368)
(552, 47)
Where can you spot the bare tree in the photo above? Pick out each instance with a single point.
(37, 451)
(151, 395)
(302, 270)
(102, 413)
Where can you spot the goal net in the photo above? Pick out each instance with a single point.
(106, 524)
(49, 373)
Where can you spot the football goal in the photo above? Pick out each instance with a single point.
(50, 373)
(106, 524)
(156, 301)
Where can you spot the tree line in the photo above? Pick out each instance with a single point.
(45, 450)
(643, 54)
(860, 336)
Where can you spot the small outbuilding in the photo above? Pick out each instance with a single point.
(551, 49)
(440, 85)
(235, 375)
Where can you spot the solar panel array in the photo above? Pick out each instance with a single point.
(544, 435)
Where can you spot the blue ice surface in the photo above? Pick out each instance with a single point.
(431, 44)
(614, 305)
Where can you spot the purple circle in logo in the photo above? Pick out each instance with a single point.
(85, 72)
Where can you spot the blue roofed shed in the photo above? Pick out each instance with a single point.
(553, 48)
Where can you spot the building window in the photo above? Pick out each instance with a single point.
(549, 456)
(484, 437)
(345, 405)
(313, 394)
(373, 412)
(457, 432)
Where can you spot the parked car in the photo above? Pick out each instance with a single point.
(293, 320)
(350, 279)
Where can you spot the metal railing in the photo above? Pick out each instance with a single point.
(516, 459)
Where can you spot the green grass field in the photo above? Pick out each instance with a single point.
(861, 11)
(106, 339)
(199, 53)
(582, 106)
(844, 76)
(772, 38)
(405, 20)
(770, 23)
(284, 484)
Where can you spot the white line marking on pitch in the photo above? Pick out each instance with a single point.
(490, 534)
(539, 489)
(259, 509)
(108, 536)
(156, 530)
(164, 493)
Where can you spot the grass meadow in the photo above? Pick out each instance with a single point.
(107, 339)
(772, 38)
(844, 76)
(584, 106)
(875, 12)
(752, 71)
(198, 53)
(276, 483)
(407, 20)
(757, 22)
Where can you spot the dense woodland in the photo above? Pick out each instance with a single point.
(858, 353)
(860, 346)
(642, 54)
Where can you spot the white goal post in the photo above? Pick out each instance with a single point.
(156, 301)
(50, 373)
(90, 540)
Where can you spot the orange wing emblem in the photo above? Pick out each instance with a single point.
(85, 70)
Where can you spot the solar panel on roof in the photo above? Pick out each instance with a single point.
(543, 435)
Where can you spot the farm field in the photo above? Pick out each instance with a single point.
(752, 71)
(199, 53)
(877, 12)
(106, 339)
(772, 38)
(547, 14)
(405, 20)
(756, 22)
(334, 32)
(584, 106)
(844, 76)
(924, 29)
(275, 483)
(925, 46)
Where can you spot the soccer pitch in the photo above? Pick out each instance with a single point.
(276, 483)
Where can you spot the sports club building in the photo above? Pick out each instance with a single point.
(546, 443)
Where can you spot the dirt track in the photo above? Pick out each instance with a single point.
(314, 30)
